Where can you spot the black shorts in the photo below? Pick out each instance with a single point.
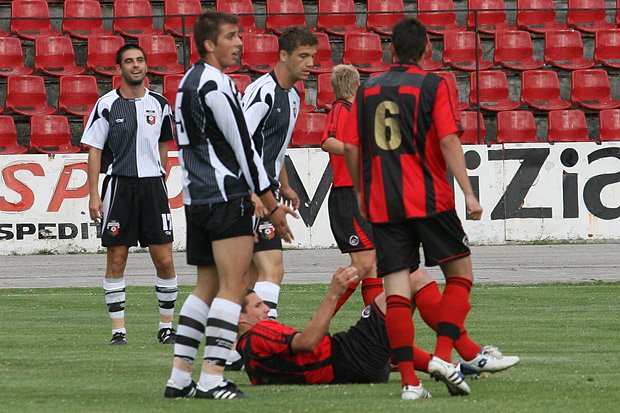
(268, 239)
(212, 222)
(135, 210)
(351, 230)
(362, 354)
(398, 245)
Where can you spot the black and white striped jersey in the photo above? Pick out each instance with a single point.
(271, 112)
(216, 152)
(129, 131)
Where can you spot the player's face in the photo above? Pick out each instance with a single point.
(133, 67)
(256, 309)
(227, 50)
(300, 62)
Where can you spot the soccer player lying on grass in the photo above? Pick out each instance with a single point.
(277, 354)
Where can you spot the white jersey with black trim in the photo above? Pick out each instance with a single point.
(271, 113)
(129, 131)
(216, 152)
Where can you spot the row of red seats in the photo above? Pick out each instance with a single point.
(54, 55)
(338, 17)
(520, 126)
(51, 134)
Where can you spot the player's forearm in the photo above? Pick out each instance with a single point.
(283, 178)
(311, 335)
(94, 168)
(333, 146)
(163, 154)
(351, 156)
(455, 161)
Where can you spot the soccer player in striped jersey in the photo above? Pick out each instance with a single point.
(221, 169)
(128, 133)
(271, 105)
(398, 150)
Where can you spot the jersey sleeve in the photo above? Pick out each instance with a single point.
(166, 124)
(97, 128)
(446, 117)
(270, 337)
(230, 120)
(256, 105)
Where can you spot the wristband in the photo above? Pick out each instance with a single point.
(273, 210)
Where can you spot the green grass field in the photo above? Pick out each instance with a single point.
(54, 355)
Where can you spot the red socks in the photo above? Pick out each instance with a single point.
(453, 309)
(399, 326)
(371, 288)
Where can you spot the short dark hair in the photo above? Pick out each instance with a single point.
(295, 36)
(409, 39)
(244, 305)
(124, 48)
(207, 27)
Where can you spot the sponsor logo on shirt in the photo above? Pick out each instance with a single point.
(121, 120)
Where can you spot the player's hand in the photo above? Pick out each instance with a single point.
(278, 219)
(289, 196)
(259, 208)
(474, 209)
(342, 278)
(95, 208)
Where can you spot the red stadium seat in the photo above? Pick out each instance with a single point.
(31, 18)
(172, 145)
(101, 54)
(82, 19)
(516, 126)
(429, 64)
(171, 87)
(438, 16)
(364, 51)
(133, 18)
(12, 57)
(161, 52)
(242, 81)
(540, 89)
(337, 17)
(78, 94)
(494, 94)
(323, 61)
(324, 91)
(607, 47)
(26, 95)
(177, 25)
(537, 16)
(491, 16)
(260, 52)
(301, 88)
(564, 49)
(51, 134)
(8, 137)
(383, 15)
(591, 89)
(514, 50)
(567, 126)
(284, 13)
(470, 121)
(54, 56)
(617, 11)
(245, 10)
(117, 79)
(308, 130)
(451, 78)
(459, 51)
(609, 125)
(587, 15)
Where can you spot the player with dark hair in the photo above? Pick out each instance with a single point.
(221, 170)
(399, 149)
(271, 105)
(127, 134)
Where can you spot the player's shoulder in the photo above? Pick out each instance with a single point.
(109, 98)
(266, 84)
(161, 99)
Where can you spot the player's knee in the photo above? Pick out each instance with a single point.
(164, 264)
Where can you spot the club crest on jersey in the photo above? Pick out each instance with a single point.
(366, 312)
(266, 230)
(354, 240)
(113, 228)
(150, 117)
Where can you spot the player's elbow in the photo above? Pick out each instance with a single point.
(304, 343)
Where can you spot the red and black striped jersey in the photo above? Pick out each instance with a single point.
(337, 123)
(266, 352)
(401, 116)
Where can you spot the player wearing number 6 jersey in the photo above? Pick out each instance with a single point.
(399, 148)
(128, 133)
